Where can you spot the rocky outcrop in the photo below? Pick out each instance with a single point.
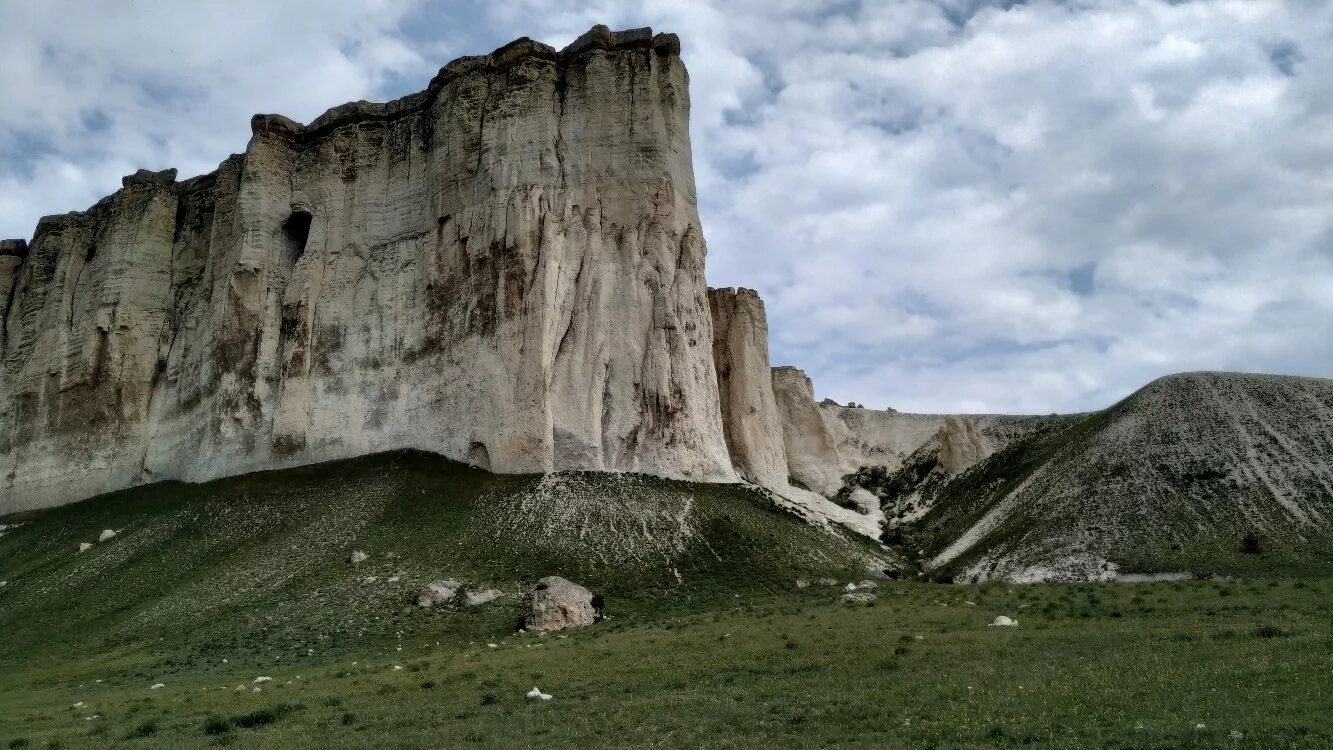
(750, 421)
(506, 268)
(556, 603)
(812, 454)
(961, 445)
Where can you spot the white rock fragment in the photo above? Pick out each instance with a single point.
(263, 678)
(491, 645)
(437, 592)
(106, 535)
(1004, 622)
(478, 598)
(858, 597)
(397, 668)
(157, 686)
(538, 695)
(358, 557)
(85, 546)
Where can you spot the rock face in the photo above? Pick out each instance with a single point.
(961, 445)
(506, 268)
(555, 604)
(750, 421)
(812, 454)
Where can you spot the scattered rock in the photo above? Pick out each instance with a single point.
(538, 695)
(867, 584)
(801, 583)
(106, 535)
(262, 678)
(156, 686)
(555, 604)
(85, 546)
(857, 597)
(358, 557)
(478, 598)
(1004, 622)
(826, 582)
(437, 592)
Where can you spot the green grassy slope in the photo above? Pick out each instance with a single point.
(1183, 665)
(709, 643)
(259, 566)
(1171, 478)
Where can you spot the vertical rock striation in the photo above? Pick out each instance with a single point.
(750, 421)
(812, 452)
(506, 268)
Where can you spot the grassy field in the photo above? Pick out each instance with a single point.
(710, 643)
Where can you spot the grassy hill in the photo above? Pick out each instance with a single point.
(259, 565)
(710, 641)
(1173, 478)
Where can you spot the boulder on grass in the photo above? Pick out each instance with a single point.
(858, 597)
(478, 598)
(555, 604)
(106, 535)
(437, 592)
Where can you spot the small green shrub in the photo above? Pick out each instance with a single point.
(146, 729)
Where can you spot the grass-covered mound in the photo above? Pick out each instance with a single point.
(258, 567)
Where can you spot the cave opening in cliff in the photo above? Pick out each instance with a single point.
(296, 231)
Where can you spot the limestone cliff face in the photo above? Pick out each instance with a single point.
(750, 420)
(812, 452)
(506, 268)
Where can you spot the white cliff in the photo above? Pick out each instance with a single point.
(506, 269)
(750, 420)
(812, 452)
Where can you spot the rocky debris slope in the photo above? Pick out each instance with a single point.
(1180, 471)
(506, 268)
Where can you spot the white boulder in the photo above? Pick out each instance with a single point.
(85, 546)
(358, 557)
(478, 598)
(437, 592)
(538, 695)
(1004, 622)
(555, 604)
(106, 535)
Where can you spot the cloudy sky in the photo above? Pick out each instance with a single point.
(948, 205)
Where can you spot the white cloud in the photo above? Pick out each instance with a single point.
(947, 204)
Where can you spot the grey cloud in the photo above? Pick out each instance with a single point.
(948, 205)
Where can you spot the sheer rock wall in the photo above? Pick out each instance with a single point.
(506, 269)
(750, 420)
